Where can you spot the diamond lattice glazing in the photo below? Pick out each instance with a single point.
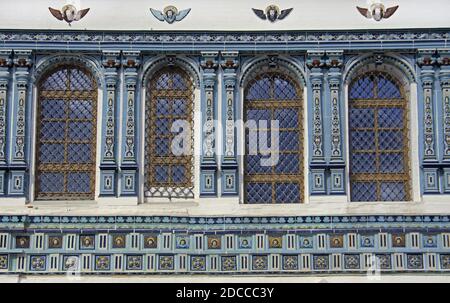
(169, 103)
(273, 96)
(66, 134)
(379, 161)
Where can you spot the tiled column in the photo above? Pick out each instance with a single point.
(128, 174)
(426, 60)
(108, 166)
(315, 61)
(18, 155)
(5, 65)
(229, 167)
(334, 64)
(208, 174)
(443, 61)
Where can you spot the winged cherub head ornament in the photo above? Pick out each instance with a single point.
(272, 13)
(377, 11)
(69, 13)
(170, 14)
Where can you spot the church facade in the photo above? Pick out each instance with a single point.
(242, 152)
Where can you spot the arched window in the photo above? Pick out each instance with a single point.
(273, 165)
(169, 134)
(66, 134)
(379, 139)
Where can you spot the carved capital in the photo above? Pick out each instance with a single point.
(131, 59)
(334, 59)
(22, 58)
(445, 80)
(130, 79)
(426, 57)
(5, 59)
(131, 86)
(230, 81)
(443, 57)
(209, 64)
(110, 85)
(229, 61)
(334, 83)
(111, 59)
(427, 83)
(209, 61)
(316, 80)
(316, 84)
(3, 84)
(315, 59)
(22, 78)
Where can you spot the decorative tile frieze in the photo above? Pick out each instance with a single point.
(134, 262)
(150, 241)
(352, 261)
(55, 242)
(273, 258)
(290, 262)
(310, 38)
(22, 241)
(198, 263)
(4, 262)
(102, 262)
(214, 242)
(119, 241)
(398, 240)
(38, 263)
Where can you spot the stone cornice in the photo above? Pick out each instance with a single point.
(193, 40)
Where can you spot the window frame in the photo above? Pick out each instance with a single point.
(94, 96)
(185, 190)
(298, 103)
(404, 102)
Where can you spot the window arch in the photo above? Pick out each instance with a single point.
(66, 134)
(169, 134)
(273, 96)
(378, 138)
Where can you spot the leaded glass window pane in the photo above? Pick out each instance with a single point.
(66, 134)
(379, 153)
(273, 96)
(170, 100)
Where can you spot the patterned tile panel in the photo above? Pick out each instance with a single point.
(202, 245)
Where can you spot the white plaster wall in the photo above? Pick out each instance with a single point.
(221, 207)
(222, 15)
